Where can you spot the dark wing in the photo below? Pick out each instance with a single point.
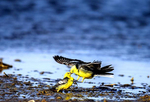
(95, 65)
(62, 81)
(68, 61)
(85, 68)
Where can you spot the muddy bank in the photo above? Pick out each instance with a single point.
(23, 88)
(33, 78)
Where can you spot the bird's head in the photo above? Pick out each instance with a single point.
(74, 69)
(67, 74)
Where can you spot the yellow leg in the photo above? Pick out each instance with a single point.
(78, 78)
(82, 79)
(58, 90)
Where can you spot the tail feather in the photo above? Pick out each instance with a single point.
(110, 75)
(105, 69)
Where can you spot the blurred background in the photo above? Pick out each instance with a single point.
(115, 32)
(113, 28)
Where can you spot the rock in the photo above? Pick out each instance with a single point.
(32, 101)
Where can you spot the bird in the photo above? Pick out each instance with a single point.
(86, 70)
(64, 83)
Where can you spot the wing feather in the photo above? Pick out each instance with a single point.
(68, 61)
(62, 81)
(95, 65)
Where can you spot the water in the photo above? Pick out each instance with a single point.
(33, 63)
(115, 33)
(39, 62)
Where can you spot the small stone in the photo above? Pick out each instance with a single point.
(94, 87)
(110, 85)
(43, 100)
(105, 100)
(31, 101)
(42, 72)
(121, 75)
(132, 79)
(15, 78)
(17, 60)
(59, 97)
(24, 96)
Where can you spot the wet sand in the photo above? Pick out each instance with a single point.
(33, 79)
(116, 33)
(13, 90)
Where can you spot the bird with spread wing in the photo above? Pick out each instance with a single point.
(86, 70)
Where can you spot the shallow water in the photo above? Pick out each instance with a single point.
(38, 62)
(34, 31)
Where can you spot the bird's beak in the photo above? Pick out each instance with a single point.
(70, 73)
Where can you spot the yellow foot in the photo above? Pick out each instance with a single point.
(78, 78)
(82, 80)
